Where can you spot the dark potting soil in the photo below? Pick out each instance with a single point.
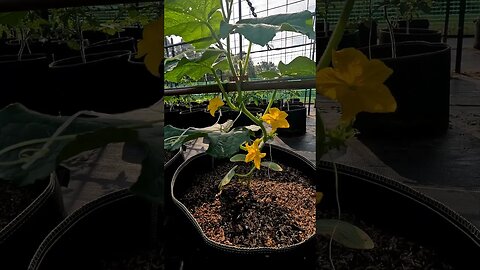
(13, 200)
(274, 211)
(390, 252)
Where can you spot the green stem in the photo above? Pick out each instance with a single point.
(256, 121)
(227, 98)
(248, 174)
(336, 36)
(270, 102)
(245, 64)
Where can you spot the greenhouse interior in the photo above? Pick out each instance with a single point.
(239, 134)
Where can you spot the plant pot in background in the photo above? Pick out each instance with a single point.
(194, 250)
(420, 84)
(20, 238)
(415, 23)
(110, 228)
(25, 82)
(108, 82)
(351, 38)
(114, 44)
(135, 32)
(297, 118)
(399, 210)
(364, 34)
(415, 34)
(195, 117)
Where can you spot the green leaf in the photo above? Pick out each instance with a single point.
(262, 30)
(190, 20)
(269, 74)
(224, 145)
(301, 66)
(195, 68)
(12, 18)
(271, 165)
(345, 234)
(227, 178)
(176, 137)
(238, 158)
(18, 124)
(221, 65)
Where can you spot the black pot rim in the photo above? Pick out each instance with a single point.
(72, 219)
(413, 31)
(292, 108)
(442, 47)
(439, 208)
(25, 57)
(175, 157)
(108, 55)
(110, 41)
(229, 248)
(40, 200)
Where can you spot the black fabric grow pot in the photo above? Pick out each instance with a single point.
(114, 44)
(415, 23)
(190, 247)
(196, 117)
(170, 167)
(107, 83)
(351, 38)
(21, 237)
(25, 82)
(297, 118)
(420, 84)
(415, 34)
(400, 210)
(365, 35)
(109, 227)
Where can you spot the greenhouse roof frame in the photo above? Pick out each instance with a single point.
(17, 5)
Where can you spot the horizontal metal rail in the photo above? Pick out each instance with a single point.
(246, 86)
(14, 5)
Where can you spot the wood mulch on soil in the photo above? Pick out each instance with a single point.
(13, 200)
(390, 252)
(274, 211)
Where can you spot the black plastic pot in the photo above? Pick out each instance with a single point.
(415, 23)
(169, 170)
(351, 38)
(197, 251)
(196, 117)
(20, 238)
(420, 84)
(414, 34)
(25, 81)
(114, 44)
(114, 225)
(108, 82)
(297, 118)
(397, 209)
(365, 35)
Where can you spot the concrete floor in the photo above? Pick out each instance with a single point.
(450, 171)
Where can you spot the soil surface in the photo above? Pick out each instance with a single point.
(14, 200)
(390, 252)
(274, 211)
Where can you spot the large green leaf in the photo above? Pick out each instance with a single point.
(224, 145)
(344, 233)
(195, 68)
(18, 125)
(298, 67)
(176, 137)
(262, 30)
(191, 20)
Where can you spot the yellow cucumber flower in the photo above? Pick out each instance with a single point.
(254, 153)
(276, 119)
(356, 83)
(214, 104)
